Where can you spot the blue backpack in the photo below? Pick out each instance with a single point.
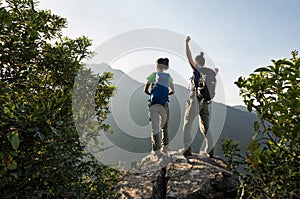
(160, 89)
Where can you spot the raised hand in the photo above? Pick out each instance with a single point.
(216, 70)
(188, 38)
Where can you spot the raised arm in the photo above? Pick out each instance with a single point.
(188, 52)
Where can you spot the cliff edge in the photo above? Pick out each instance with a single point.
(174, 176)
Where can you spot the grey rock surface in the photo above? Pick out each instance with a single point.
(174, 176)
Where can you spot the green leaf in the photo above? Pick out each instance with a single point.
(285, 62)
(15, 175)
(250, 105)
(295, 132)
(14, 153)
(12, 165)
(256, 125)
(297, 64)
(34, 129)
(262, 69)
(253, 146)
(15, 141)
(6, 110)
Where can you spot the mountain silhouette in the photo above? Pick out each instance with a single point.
(130, 123)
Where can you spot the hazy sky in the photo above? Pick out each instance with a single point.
(239, 36)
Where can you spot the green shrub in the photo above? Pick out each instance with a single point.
(41, 155)
(273, 156)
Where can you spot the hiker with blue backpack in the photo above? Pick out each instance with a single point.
(202, 90)
(162, 86)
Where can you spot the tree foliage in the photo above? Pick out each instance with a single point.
(41, 155)
(274, 154)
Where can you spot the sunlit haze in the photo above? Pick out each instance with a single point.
(238, 36)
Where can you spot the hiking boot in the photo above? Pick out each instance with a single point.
(157, 154)
(164, 149)
(187, 152)
(211, 153)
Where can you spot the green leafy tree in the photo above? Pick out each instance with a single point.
(273, 156)
(41, 155)
(232, 155)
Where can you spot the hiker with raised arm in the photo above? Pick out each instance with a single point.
(162, 86)
(202, 90)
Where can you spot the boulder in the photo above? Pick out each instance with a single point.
(174, 176)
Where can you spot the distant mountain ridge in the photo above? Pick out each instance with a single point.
(243, 108)
(130, 123)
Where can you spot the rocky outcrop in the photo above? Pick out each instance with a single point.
(174, 176)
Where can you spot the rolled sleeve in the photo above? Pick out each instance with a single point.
(151, 78)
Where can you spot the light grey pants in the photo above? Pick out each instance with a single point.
(159, 117)
(195, 107)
